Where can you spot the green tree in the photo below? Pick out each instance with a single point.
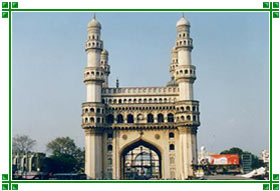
(62, 145)
(66, 156)
(22, 144)
(80, 157)
(233, 150)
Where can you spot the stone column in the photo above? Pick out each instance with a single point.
(93, 155)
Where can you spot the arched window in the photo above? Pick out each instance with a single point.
(160, 118)
(188, 108)
(86, 119)
(171, 147)
(109, 147)
(170, 117)
(91, 119)
(120, 101)
(110, 135)
(98, 110)
(194, 118)
(150, 118)
(110, 118)
(188, 117)
(98, 120)
(91, 110)
(120, 118)
(130, 118)
(193, 108)
(86, 110)
(171, 135)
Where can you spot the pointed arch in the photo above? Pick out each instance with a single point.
(126, 151)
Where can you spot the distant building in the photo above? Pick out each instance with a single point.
(246, 163)
(265, 156)
(29, 162)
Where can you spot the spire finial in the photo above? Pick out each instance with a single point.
(117, 83)
(183, 15)
(94, 15)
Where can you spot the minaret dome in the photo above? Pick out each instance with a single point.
(94, 23)
(183, 22)
(105, 52)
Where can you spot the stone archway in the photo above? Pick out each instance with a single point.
(141, 161)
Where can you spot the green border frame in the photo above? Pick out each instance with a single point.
(271, 7)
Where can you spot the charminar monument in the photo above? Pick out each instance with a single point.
(140, 132)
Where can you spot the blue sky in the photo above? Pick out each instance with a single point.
(231, 52)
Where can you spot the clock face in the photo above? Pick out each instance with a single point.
(140, 117)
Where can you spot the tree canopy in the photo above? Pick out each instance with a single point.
(66, 157)
(233, 150)
(62, 145)
(22, 144)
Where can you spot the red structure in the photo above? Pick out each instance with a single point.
(226, 159)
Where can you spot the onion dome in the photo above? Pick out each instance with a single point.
(94, 23)
(105, 52)
(183, 22)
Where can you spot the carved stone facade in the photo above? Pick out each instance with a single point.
(28, 162)
(140, 132)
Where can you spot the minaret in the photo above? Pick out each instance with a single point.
(187, 112)
(93, 109)
(93, 73)
(105, 66)
(173, 65)
(185, 72)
